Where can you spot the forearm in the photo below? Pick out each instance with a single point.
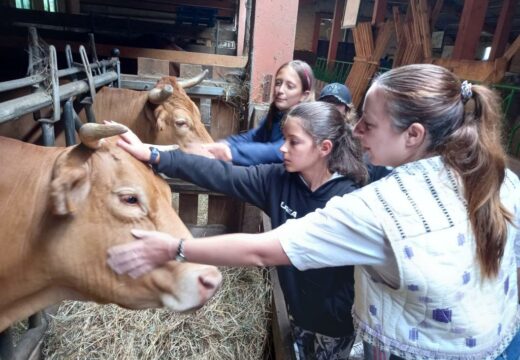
(237, 250)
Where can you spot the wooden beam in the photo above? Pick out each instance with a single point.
(435, 13)
(105, 50)
(379, 13)
(470, 27)
(336, 29)
(513, 49)
(241, 27)
(504, 23)
(316, 32)
(224, 8)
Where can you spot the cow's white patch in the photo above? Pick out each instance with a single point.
(288, 210)
(178, 305)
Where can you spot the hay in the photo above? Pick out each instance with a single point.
(233, 325)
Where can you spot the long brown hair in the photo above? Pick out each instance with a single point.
(306, 76)
(464, 127)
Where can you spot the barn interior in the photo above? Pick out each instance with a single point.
(241, 43)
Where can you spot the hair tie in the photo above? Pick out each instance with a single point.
(465, 90)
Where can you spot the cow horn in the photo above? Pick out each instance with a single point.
(91, 134)
(187, 83)
(159, 95)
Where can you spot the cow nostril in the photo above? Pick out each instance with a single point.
(210, 281)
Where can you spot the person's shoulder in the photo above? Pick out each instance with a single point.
(341, 185)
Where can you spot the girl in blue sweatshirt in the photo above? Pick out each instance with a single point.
(294, 83)
(320, 160)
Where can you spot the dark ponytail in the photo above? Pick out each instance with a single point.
(323, 121)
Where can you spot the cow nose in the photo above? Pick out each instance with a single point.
(209, 282)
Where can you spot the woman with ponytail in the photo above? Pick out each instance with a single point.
(436, 243)
(321, 160)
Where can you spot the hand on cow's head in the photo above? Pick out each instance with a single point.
(152, 250)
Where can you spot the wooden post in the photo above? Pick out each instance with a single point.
(470, 27)
(316, 32)
(270, 51)
(379, 12)
(503, 28)
(242, 16)
(336, 29)
(435, 13)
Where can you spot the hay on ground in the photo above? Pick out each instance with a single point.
(233, 325)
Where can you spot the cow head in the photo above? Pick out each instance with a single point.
(175, 113)
(164, 115)
(98, 193)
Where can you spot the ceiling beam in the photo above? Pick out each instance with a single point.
(503, 29)
(470, 27)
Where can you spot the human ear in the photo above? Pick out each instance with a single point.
(326, 147)
(305, 95)
(415, 135)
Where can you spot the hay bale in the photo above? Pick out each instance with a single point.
(232, 325)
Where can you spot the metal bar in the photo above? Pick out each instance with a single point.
(48, 137)
(88, 71)
(15, 108)
(36, 79)
(68, 120)
(55, 82)
(139, 83)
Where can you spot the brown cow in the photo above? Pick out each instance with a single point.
(62, 208)
(164, 115)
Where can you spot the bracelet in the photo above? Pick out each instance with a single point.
(180, 251)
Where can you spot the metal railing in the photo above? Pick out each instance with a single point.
(334, 71)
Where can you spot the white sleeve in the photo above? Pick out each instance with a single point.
(345, 232)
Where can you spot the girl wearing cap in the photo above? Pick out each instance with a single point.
(436, 243)
(339, 95)
(294, 83)
(321, 160)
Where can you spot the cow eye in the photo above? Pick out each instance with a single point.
(130, 199)
(181, 122)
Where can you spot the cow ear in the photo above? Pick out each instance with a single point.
(69, 188)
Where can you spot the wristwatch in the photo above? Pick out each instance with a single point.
(154, 154)
(180, 252)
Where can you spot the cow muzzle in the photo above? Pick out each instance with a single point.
(195, 289)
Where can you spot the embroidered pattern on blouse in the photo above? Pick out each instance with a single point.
(412, 202)
(390, 212)
(435, 194)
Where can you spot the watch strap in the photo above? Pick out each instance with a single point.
(154, 154)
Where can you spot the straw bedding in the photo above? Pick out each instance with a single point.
(232, 325)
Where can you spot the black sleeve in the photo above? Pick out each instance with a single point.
(245, 183)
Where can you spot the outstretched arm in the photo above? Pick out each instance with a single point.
(153, 249)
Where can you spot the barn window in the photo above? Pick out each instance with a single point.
(50, 5)
(23, 4)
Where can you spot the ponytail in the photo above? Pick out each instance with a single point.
(474, 151)
(463, 123)
(347, 157)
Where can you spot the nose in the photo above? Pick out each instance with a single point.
(209, 282)
(283, 148)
